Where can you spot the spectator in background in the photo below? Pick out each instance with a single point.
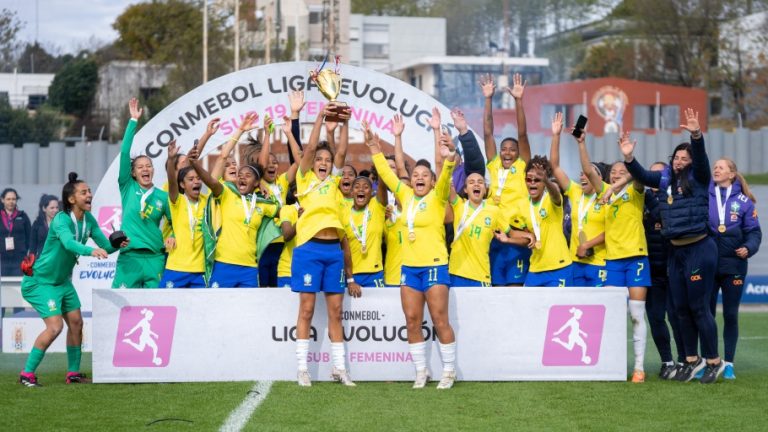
(14, 234)
(48, 207)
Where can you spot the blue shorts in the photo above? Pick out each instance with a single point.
(629, 272)
(422, 278)
(318, 266)
(553, 278)
(509, 263)
(370, 280)
(234, 276)
(177, 279)
(458, 281)
(588, 275)
(283, 281)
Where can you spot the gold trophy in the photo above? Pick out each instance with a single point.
(329, 83)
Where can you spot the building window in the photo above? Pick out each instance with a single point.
(548, 113)
(643, 116)
(35, 100)
(314, 17)
(715, 105)
(376, 51)
(670, 117)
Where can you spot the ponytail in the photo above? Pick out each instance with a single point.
(744, 186)
(69, 190)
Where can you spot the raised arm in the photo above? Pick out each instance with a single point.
(639, 174)
(554, 152)
(448, 153)
(266, 145)
(293, 147)
(339, 159)
(489, 88)
(296, 99)
(700, 162)
(210, 130)
(248, 123)
(125, 148)
(398, 126)
(473, 157)
(382, 167)
(170, 169)
(307, 159)
(517, 91)
(595, 179)
(435, 122)
(212, 182)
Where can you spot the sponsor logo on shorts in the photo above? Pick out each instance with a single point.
(574, 334)
(144, 336)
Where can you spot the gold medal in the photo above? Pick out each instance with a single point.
(497, 199)
(364, 249)
(582, 237)
(411, 236)
(538, 244)
(721, 228)
(670, 200)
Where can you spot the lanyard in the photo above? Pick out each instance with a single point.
(276, 192)
(535, 222)
(81, 237)
(501, 178)
(362, 232)
(621, 194)
(248, 209)
(411, 218)
(584, 210)
(192, 216)
(722, 204)
(144, 197)
(8, 220)
(466, 218)
(312, 186)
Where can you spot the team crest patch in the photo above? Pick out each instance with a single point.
(422, 206)
(513, 170)
(598, 206)
(734, 217)
(158, 204)
(735, 207)
(625, 197)
(307, 279)
(169, 284)
(259, 210)
(487, 221)
(543, 213)
(51, 305)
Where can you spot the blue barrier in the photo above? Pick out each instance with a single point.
(756, 289)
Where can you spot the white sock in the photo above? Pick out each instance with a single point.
(671, 363)
(302, 351)
(418, 354)
(338, 355)
(639, 331)
(728, 363)
(448, 353)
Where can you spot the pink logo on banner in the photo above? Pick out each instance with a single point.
(144, 336)
(110, 218)
(574, 334)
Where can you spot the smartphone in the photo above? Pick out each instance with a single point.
(581, 123)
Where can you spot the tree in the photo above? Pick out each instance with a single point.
(18, 126)
(171, 32)
(9, 45)
(387, 7)
(35, 55)
(74, 86)
(616, 58)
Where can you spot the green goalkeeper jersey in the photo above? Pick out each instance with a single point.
(64, 244)
(142, 208)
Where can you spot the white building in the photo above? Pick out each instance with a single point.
(24, 90)
(382, 42)
(453, 80)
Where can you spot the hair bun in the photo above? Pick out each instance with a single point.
(72, 177)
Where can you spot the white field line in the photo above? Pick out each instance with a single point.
(239, 417)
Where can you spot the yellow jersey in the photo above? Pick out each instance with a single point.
(473, 231)
(425, 244)
(288, 214)
(396, 234)
(592, 221)
(369, 261)
(320, 200)
(507, 188)
(554, 253)
(240, 220)
(279, 188)
(624, 231)
(188, 232)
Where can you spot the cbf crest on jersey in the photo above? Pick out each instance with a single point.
(487, 221)
(543, 213)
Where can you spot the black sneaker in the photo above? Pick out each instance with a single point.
(690, 369)
(668, 371)
(29, 380)
(712, 372)
(76, 378)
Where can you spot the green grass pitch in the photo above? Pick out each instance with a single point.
(600, 406)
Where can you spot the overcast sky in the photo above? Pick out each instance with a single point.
(68, 24)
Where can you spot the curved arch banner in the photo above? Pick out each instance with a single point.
(373, 97)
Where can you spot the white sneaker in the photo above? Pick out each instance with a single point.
(342, 376)
(447, 380)
(304, 379)
(422, 376)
